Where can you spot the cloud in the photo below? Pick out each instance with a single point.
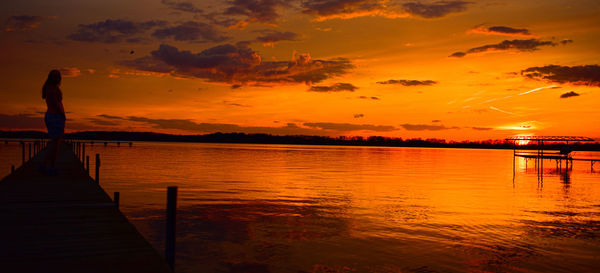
(21, 121)
(435, 9)
(103, 122)
(458, 54)
(366, 98)
(501, 30)
(359, 115)
(270, 37)
(262, 11)
(69, 72)
(288, 129)
(346, 9)
(23, 23)
(181, 6)
(238, 64)
(191, 31)
(109, 116)
(409, 82)
(113, 31)
(235, 104)
(576, 75)
(425, 127)
(436, 120)
(482, 128)
(336, 87)
(568, 95)
(566, 41)
(347, 127)
(520, 45)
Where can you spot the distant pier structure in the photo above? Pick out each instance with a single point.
(561, 155)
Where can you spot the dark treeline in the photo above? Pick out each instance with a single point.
(295, 139)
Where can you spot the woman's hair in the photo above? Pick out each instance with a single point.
(53, 80)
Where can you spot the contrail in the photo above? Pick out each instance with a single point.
(523, 93)
(491, 100)
(500, 110)
(538, 89)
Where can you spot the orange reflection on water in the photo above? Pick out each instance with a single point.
(367, 209)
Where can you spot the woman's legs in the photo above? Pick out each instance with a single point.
(58, 141)
(52, 152)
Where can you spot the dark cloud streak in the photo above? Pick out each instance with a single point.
(21, 121)
(576, 75)
(22, 23)
(508, 30)
(569, 94)
(112, 31)
(520, 45)
(191, 31)
(435, 9)
(271, 37)
(426, 127)
(346, 127)
(336, 87)
(409, 82)
(181, 6)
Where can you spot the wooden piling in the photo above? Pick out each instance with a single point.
(12, 169)
(82, 153)
(29, 151)
(98, 168)
(87, 164)
(116, 199)
(23, 151)
(170, 229)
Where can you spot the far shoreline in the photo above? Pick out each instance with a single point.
(243, 138)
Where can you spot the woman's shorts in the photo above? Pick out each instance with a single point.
(55, 124)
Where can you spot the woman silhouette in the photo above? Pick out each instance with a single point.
(55, 120)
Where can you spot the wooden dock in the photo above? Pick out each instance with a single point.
(67, 223)
(558, 156)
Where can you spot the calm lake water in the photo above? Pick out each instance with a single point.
(287, 208)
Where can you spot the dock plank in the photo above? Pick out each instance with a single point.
(67, 223)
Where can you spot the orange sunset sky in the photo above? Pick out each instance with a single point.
(455, 70)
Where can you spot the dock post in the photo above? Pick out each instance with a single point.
(170, 230)
(12, 169)
(82, 153)
(87, 164)
(29, 151)
(116, 199)
(98, 168)
(23, 151)
(514, 156)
